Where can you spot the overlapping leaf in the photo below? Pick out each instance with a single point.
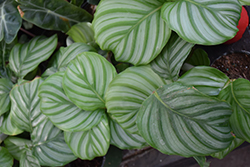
(91, 143)
(201, 160)
(244, 2)
(82, 32)
(17, 146)
(235, 143)
(127, 92)
(168, 64)
(206, 79)
(180, 120)
(86, 80)
(201, 22)
(61, 111)
(25, 58)
(7, 126)
(10, 20)
(25, 105)
(237, 93)
(28, 160)
(123, 139)
(5, 87)
(6, 159)
(49, 146)
(199, 58)
(52, 14)
(133, 30)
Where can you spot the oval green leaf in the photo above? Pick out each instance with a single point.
(28, 160)
(53, 14)
(6, 159)
(24, 58)
(86, 80)
(244, 2)
(7, 126)
(25, 105)
(49, 146)
(201, 22)
(5, 87)
(179, 120)
(199, 57)
(237, 93)
(126, 93)
(168, 64)
(133, 29)
(91, 143)
(206, 79)
(10, 21)
(65, 54)
(61, 111)
(124, 140)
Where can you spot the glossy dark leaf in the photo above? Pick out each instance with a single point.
(53, 14)
(199, 58)
(10, 20)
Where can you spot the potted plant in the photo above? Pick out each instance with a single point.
(80, 104)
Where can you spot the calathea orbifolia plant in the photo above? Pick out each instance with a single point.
(188, 115)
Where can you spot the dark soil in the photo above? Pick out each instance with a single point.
(235, 65)
(97, 162)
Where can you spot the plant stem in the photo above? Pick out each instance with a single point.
(27, 32)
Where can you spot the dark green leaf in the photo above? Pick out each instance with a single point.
(93, 2)
(201, 160)
(6, 159)
(126, 93)
(180, 120)
(237, 93)
(203, 22)
(25, 58)
(5, 87)
(199, 58)
(168, 64)
(53, 14)
(206, 79)
(10, 20)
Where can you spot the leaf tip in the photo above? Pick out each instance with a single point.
(20, 11)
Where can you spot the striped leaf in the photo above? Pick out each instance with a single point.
(235, 143)
(133, 29)
(86, 80)
(63, 57)
(17, 146)
(52, 14)
(201, 160)
(168, 64)
(61, 111)
(206, 79)
(28, 160)
(199, 58)
(82, 32)
(5, 87)
(7, 126)
(127, 92)
(201, 22)
(244, 2)
(6, 159)
(25, 105)
(124, 140)
(179, 120)
(49, 146)
(237, 93)
(24, 58)
(10, 20)
(91, 143)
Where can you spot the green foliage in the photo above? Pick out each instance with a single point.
(80, 105)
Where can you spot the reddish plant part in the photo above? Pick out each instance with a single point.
(242, 25)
